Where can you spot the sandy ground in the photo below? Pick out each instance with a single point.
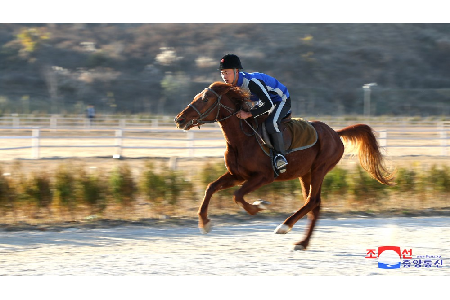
(235, 247)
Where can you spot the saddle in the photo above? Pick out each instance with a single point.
(298, 134)
(287, 135)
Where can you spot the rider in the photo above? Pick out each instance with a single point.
(269, 96)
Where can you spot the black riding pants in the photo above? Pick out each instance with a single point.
(282, 109)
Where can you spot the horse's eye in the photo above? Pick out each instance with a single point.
(205, 99)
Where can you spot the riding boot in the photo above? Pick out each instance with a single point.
(280, 161)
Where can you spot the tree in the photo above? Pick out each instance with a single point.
(31, 40)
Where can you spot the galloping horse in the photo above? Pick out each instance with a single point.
(249, 166)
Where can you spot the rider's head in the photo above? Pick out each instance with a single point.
(230, 65)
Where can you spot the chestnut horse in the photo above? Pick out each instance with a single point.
(248, 165)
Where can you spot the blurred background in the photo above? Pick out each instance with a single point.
(158, 68)
(137, 77)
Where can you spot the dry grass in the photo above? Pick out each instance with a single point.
(287, 202)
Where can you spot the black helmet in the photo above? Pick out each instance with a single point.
(230, 61)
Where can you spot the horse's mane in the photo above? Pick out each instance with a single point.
(235, 93)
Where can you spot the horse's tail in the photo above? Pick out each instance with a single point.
(365, 144)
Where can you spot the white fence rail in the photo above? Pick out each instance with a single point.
(111, 121)
(422, 140)
(74, 141)
(136, 121)
(179, 142)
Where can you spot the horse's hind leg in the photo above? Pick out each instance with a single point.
(311, 185)
(223, 182)
(313, 216)
(305, 181)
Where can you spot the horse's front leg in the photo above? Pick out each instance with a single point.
(249, 186)
(223, 182)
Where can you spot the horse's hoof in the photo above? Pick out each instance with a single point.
(282, 229)
(206, 228)
(261, 204)
(298, 247)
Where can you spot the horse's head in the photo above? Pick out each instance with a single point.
(216, 103)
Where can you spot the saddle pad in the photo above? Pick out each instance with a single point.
(304, 135)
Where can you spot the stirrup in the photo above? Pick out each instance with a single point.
(280, 163)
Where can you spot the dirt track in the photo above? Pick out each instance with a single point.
(247, 247)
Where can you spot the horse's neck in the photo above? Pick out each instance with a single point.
(234, 135)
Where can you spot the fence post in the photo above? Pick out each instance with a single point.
(35, 143)
(16, 122)
(173, 163)
(119, 134)
(444, 142)
(122, 123)
(383, 138)
(53, 122)
(191, 143)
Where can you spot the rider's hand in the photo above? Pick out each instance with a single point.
(243, 114)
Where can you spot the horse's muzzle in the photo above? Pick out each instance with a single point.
(180, 122)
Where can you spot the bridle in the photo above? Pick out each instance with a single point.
(200, 121)
(201, 116)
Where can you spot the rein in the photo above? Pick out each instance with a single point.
(200, 121)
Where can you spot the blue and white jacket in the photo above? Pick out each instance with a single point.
(264, 89)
